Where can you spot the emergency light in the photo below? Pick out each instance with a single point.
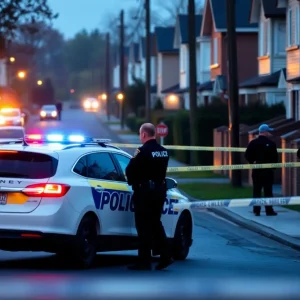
(63, 139)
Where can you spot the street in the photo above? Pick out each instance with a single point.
(222, 252)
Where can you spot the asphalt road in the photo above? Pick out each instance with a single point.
(225, 261)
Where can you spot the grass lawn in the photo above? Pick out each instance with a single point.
(123, 132)
(112, 122)
(196, 174)
(210, 191)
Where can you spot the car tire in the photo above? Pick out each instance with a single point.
(85, 246)
(182, 237)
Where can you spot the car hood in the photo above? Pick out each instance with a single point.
(176, 194)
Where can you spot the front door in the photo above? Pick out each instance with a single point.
(111, 195)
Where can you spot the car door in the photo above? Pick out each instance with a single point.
(111, 194)
(123, 161)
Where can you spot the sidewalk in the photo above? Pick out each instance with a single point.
(284, 228)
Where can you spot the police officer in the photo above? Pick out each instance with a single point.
(146, 173)
(59, 109)
(262, 151)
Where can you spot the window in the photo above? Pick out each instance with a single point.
(264, 37)
(216, 52)
(123, 161)
(81, 167)
(297, 24)
(100, 166)
(290, 27)
(19, 164)
(279, 38)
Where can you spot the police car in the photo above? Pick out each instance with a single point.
(69, 196)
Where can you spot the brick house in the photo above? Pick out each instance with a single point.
(271, 55)
(214, 27)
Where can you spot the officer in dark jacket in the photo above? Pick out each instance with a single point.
(59, 109)
(262, 151)
(146, 174)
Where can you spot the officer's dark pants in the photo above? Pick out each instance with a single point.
(148, 207)
(262, 179)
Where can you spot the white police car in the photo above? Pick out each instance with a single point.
(69, 196)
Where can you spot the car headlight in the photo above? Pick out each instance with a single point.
(43, 113)
(54, 114)
(95, 104)
(87, 104)
(2, 121)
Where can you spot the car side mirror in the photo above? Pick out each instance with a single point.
(171, 183)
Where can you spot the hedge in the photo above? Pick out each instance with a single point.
(208, 118)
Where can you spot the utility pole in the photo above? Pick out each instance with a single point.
(233, 100)
(148, 62)
(107, 76)
(122, 69)
(192, 78)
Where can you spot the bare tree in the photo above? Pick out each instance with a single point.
(167, 10)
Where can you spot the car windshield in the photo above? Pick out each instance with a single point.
(11, 133)
(10, 113)
(49, 107)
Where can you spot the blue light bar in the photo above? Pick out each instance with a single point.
(63, 139)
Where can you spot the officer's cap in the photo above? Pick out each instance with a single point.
(265, 128)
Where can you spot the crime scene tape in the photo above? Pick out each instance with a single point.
(242, 202)
(232, 167)
(201, 148)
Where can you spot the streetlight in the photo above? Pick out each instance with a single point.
(120, 96)
(22, 74)
(104, 97)
(39, 82)
(12, 59)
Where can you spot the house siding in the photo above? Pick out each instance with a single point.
(216, 69)
(293, 56)
(170, 70)
(247, 52)
(184, 65)
(153, 63)
(159, 73)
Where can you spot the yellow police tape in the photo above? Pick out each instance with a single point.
(201, 148)
(232, 167)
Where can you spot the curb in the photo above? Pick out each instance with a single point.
(253, 226)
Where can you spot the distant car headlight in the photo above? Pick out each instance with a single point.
(43, 113)
(54, 114)
(87, 104)
(95, 104)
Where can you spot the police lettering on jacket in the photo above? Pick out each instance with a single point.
(159, 154)
(122, 201)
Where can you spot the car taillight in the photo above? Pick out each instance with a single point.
(46, 190)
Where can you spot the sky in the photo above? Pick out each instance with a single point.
(75, 15)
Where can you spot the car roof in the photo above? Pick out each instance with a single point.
(49, 105)
(49, 148)
(12, 128)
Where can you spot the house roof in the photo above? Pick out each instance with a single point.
(271, 10)
(164, 39)
(267, 80)
(184, 26)
(206, 86)
(171, 89)
(217, 9)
